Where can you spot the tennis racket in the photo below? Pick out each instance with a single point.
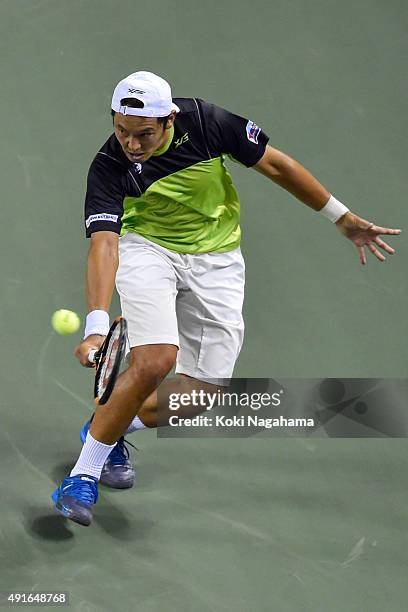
(108, 360)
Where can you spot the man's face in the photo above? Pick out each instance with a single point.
(140, 137)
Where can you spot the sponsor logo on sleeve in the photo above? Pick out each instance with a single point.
(101, 217)
(252, 131)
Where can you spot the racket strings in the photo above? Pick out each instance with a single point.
(111, 357)
(108, 362)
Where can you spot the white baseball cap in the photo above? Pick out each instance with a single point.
(153, 91)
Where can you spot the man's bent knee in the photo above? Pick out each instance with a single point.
(153, 361)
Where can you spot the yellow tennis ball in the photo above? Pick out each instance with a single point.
(65, 322)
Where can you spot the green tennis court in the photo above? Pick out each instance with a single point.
(213, 525)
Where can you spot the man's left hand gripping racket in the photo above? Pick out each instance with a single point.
(108, 360)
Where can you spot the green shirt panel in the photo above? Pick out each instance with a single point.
(194, 210)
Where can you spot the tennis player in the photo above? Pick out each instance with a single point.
(162, 215)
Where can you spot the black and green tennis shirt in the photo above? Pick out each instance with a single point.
(182, 197)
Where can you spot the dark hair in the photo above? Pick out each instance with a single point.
(135, 103)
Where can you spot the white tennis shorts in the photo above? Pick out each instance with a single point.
(191, 301)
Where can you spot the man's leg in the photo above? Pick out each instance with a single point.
(155, 412)
(148, 367)
(149, 364)
(147, 285)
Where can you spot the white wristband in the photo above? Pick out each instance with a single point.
(333, 210)
(97, 322)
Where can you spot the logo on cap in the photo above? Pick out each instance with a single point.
(137, 91)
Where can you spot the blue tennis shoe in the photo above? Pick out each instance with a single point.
(117, 472)
(75, 497)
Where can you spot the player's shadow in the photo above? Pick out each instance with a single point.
(117, 525)
(42, 524)
(46, 525)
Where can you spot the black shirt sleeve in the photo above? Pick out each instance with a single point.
(231, 134)
(104, 197)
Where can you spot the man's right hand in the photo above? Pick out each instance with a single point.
(91, 343)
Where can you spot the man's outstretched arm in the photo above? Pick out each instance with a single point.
(100, 281)
(292, 176)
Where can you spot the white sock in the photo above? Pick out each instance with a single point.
(93, 456)
(135, 424)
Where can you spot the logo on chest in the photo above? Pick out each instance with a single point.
(181, 140)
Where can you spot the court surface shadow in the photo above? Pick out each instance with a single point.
(42, 524)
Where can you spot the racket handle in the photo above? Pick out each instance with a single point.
(92, 357)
